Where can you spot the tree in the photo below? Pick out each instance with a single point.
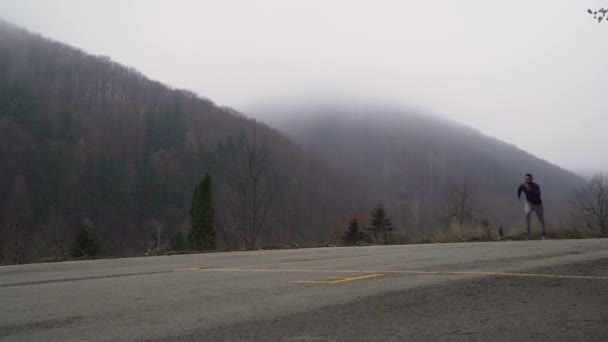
(53, 231)
(86, 243)
(382, 225)
(154, 244)
(599, 14)
(459, 204)
(353, 234)
(202, 233)
(20, 247)
(252, 195)
(105, 191)
(150, 191)
(21, 221)
(592, 203)
(291, 227)
(165, 127)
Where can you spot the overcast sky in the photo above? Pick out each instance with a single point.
(532, 73)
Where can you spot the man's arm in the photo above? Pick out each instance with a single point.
(519, 190)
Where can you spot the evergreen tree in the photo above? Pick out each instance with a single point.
(202, 234)
(382, 225)
(353, 234)
(86, 243)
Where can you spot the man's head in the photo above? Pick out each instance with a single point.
(529, 178)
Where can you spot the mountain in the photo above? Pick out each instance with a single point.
(83, 137)
(415, 162)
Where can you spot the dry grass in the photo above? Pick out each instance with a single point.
(478, 232)
(465, 233)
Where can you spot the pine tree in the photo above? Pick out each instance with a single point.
(382, 225)
(202, 234)
(353, 234)
(86, 242)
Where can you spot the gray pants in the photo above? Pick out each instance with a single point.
(538, 209)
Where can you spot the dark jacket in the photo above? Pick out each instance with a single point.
(532, 195)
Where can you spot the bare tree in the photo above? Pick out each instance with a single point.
(251, 196)
(592, 203)
(1, 244)
(154, 243)
(291, 225)
(20, 246)
(52, 232)
(459, 204)
(599, 14)
(228, 236)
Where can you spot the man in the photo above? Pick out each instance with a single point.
(533, 203)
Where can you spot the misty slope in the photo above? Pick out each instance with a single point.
(413, 161)
(84, 137)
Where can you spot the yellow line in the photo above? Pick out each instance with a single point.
(338, 281)
(277, 270)
(414, 272)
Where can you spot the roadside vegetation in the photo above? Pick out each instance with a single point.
(458, 222)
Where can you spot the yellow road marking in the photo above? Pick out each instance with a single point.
(339, 280)
(413, 272)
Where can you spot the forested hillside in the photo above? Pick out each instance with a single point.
(82, 137)
(421, 165)
(88, 145)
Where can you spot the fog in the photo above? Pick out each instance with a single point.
(530, 73)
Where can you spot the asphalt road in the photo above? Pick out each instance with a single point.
(555, 290)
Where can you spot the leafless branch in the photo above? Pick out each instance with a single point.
(252, 196)
(599, 14)
(592, 202)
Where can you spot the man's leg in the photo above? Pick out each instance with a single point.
(528, 211)
(540, 214)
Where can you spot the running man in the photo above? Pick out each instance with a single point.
(533, 203)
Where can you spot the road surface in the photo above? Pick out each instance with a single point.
(555, 290)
